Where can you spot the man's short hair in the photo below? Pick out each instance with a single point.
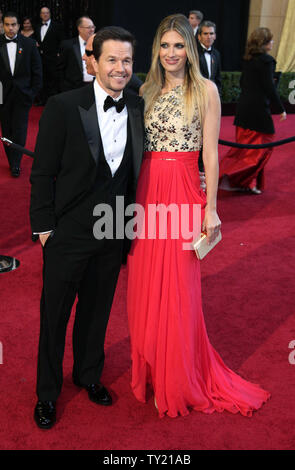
(45, 6)
(80, 20)
(198, 14)
(206, 24)
(115, 33)
(10, 14)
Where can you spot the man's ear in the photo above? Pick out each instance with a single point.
(94, 63)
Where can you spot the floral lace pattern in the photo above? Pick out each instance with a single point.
(165, 130)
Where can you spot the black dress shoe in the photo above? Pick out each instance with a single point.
(96, 393)
(15, 172)
(45, 414)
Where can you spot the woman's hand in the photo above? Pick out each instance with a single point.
(43, 238)
(211, 224)
(283, 116)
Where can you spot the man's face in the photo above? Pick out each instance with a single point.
(207, 36)
(86, 29)
(88, 58)
(114, 66)
(45, 14)
(194, 21)
(11, 27)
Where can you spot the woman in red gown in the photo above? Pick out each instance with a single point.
(243, 169)
(169, 343)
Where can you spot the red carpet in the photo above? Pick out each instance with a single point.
(248, 297)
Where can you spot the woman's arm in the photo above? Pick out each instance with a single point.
(211, 127)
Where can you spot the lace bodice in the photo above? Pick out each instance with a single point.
(165, 127)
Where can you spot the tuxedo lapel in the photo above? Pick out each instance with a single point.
(19, 54)
(213, 64)
(136, 130)
(89, 120)
(204, 65)
(77, 51)
(4, 55)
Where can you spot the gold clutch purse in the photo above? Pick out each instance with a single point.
(201, 246)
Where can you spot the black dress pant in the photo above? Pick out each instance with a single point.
(14, 125)
(90, 272)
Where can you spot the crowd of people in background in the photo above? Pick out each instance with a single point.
(63, 68)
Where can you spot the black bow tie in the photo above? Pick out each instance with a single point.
(8, 41)
(109, 103)
(44, 24)
(205, 50)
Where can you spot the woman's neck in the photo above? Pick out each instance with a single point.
(172, 81)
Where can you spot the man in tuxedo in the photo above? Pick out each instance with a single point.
(132, 86)
(195, 17)
(210, 64)
(21, 78)
(88, 152)
(71, 67)
(49, 35)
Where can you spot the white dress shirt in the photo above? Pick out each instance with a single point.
(208, 58)
(86, 76)
(113, 129)
(44, 29)
(11, 50)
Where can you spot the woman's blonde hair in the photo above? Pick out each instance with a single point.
(257, 41)
(194, 83)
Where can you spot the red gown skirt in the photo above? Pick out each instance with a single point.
(245, 167)
(169, 344)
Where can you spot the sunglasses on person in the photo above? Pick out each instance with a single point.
(88, 53)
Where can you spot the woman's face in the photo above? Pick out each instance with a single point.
(27, 24)
(268, 46)
(172, 52)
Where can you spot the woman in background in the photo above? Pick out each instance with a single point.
(243, 169)
(27, 27)
(169, 343)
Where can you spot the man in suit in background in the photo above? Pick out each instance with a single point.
(49, 35)
(21, 78)
(195, 17)
(71, 68)
(210, 65)
(88, 152)
(132, 86)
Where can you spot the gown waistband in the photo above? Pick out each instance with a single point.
(172, 156)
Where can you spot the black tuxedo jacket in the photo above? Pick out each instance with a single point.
(215, 66)
(50, 45)
(27, 78)
(70, 68)
(65, 163)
